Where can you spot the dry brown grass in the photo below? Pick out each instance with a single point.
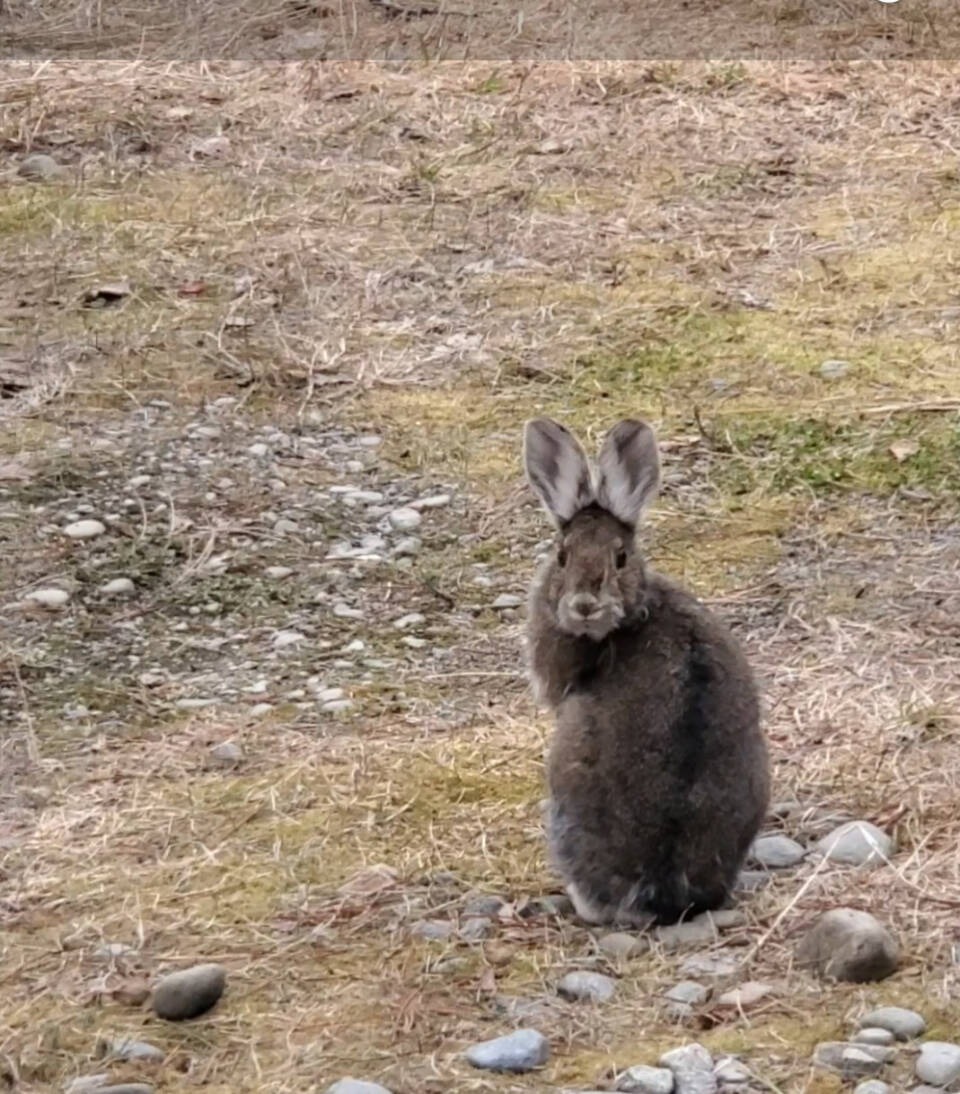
(435, 252)
(451, 30)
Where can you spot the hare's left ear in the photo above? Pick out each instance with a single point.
(629, 467)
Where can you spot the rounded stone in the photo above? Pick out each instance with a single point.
(52, 599)
(119, 586)
(687, 991)
(405, 519)
(129, 1048)
(692, 1067)
(939, 1064)
(591, 987)
(874, 1036)
(856, 843)
(85, 529)
(850, 945)
(872, 1086)
(620, 946)
(522, 1050)
(903, 1023)
(189, 993)
(38, 167)
(851, 1060)
(643, 1079)
(776, 852)
(226, 754)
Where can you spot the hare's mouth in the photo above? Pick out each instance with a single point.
(596, 625)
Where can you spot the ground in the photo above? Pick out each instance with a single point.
(247, 287)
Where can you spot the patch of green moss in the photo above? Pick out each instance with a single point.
(783, 455)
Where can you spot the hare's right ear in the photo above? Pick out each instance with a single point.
(556, 468)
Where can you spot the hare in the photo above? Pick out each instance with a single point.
(657, 771)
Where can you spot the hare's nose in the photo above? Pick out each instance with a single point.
(584, 605)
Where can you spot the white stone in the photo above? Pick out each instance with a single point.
(275, 573)
(405, 519)
(84, 529)
(434, 501)
(776, 852)
(344, 611)
(139, 480)
(119, 586)
(643, 1079)
(329, 695)
(259, 709)
(259, 449)
(337, 706)
(413, 642)
(692, 1068)
(405, 622)
(903, 1023)
(283, 639)
(939, 1064)
(593, 987)
(53, 599)
(857, 843)
(507, 600)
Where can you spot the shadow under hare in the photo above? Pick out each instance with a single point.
(658, 772)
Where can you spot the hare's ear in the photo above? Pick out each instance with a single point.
(629, 467)
(556, 468)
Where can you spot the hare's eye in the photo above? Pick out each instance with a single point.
(621, 559)
(561, 557)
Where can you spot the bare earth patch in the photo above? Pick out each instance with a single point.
(250, 314)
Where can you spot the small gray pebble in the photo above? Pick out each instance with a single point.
(506, 600)
(731, 1072)
(776, 852)
(356, 1086)
(699, 929)
(687, 991)
(749, 881)
(874, 1036)
(709, 964)
(856, 843)
(522, 1050)
(85, 529)
(482, 904)
(692, 1067)
(226, 754)
(834, 370)
(119, 586)
(129, 1048)
(189, 993)
(851, 1060)
(38, 167)
(939, 1064)
(643, 1079)
(620, 946)
(109, 951)
(593, 987)
(904, 1024)
(405, 520)
(476, 928)
(433, 930)
(847, 944)
(872, 1086)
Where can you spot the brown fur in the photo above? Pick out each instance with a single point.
(658, 770)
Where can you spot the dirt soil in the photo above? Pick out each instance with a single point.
(247, 312)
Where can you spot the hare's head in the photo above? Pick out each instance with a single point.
(597, 578)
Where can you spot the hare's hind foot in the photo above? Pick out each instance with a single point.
(601, 915)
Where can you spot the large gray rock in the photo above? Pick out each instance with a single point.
(857, 843)
(692, 1068)
(939, 1064)
(591, 987)
(776, 852)
(189, 993)
(846, 944)
(522, 1050)
(642, 1079)
(851, 1060)
(904, 1024)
